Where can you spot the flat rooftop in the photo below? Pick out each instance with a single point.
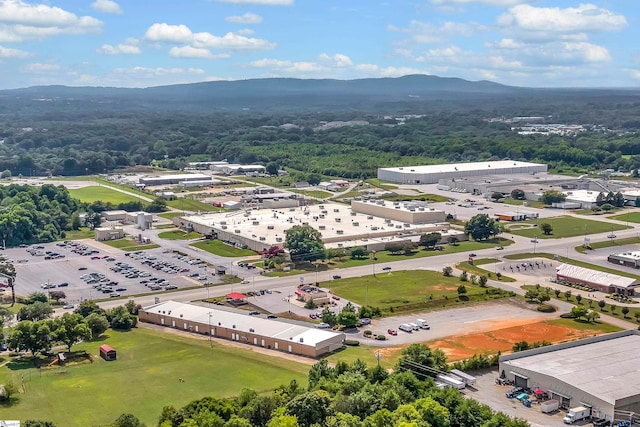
(607, 369)
(462, 167)
(334, 221)
(243, 322)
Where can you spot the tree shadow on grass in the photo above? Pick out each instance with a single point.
(25, 362)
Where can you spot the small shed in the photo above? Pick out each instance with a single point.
(107, 352)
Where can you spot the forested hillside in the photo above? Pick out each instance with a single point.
(101, 130)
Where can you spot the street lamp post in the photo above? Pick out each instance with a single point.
(210, 342)
(373, 262)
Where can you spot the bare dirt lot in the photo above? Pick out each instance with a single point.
(464, 346)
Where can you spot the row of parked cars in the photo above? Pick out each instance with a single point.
(413, 326)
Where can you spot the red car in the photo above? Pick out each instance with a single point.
(392, 332)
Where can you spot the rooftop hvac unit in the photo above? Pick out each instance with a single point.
(355, 224)
(398, 226)
(322, 227)
(255, 223)
(353, 214)
(237, 231)
(305, 223)
(338, 219)
(262, 238)
(278, 239)
(224, 227)
(339, 231)
(370, 217)
(223, 222)
(270, 227)
(321, 206)
(336, 210)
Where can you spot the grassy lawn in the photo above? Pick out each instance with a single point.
(367, 354)
(385, 185)
(191, 205)
(573, 262)
(219, 248)
(314, 193)
(179, 235)
(408, 291)
(164, 226)
(563, 226)
(530, 203)
(584, 325)
(386, 256)
(609, 244)
(475, 269)
(143, 379)
(169, 215)
(422, 197)
(130, 245)
(130, 189)
(98, 193)
(82, 233)
(629, 216)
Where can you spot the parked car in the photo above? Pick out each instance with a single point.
(272, 316)
(254, 313)
(471, 255)
(323, 326)
(365, 321)
(121, 289)
(336, 276)
(69, 307)
(114, 295)
(63, 284)
(392, 332)
(171, 287)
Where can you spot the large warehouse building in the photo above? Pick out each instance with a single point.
(431, 174)
(604, 282)
(252, 330)
(599, 372)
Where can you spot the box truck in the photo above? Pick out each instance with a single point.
(576, 414)
(423, 324)
(464, 377)
(549, 406)
(450, 381)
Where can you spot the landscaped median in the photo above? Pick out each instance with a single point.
(129, 245)
(562, 226)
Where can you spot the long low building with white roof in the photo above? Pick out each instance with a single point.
(431, 174)
(600, 373)
(602, 281)
(251, 330)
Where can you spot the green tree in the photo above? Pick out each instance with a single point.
(37, 423)
(447, 271)
(546, 228)
(87, 307)
(304, 243)
(70, 329)
(37, 297)
(579, 311)
(422, 355)
(36, 311)
(462, 291)
(57, 295)
(517, 194)
(310, 408)
(496, 195)
(550, 197)
(127, 420)
(429, 240)
(579, 298)
(601, 304)
(592, 316)
(359, 252)
(567, 295)
(520, 346)
(120, 318)
(329, 317)
(283, 421)
(97, 323)
(159, 204)
(482, 281)
(481, 227)
(34, 337)
(625, 311)
(464, 276)
(348, 317)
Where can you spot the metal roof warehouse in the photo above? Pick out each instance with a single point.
(599, 372)
(253, 330)
(605, 282)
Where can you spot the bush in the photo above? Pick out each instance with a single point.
(546, 308)
(367, 333)
(310, 304)
(381, 337)
(352, 343)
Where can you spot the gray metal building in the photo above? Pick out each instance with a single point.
(601, 373)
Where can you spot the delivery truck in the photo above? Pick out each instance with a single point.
(450, 381)
(576, 414)
(549, 406)
(464, 377)
(423, 324)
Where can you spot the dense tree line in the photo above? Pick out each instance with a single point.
(103, 142)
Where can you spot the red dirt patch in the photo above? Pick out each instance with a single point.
(464, 346)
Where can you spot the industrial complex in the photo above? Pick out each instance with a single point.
(268, 333)
(600, 373)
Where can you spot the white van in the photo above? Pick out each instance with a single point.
(423, 324)
(414, 326)
(405, 327)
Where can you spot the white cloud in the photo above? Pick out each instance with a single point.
(245, 32)
(181, 34)
(160, 71)
(20, 21)
(246, 19)
(337, 60)
(7, 52)
(425, 32)
(106, 6)
(286, 66)
(498, 3)
(587, 52)
(168, 33)
(37, 68)
(129, 47)
(231, 41)
(190, 52)
(259, 2)
(506, 44)
(550, 23)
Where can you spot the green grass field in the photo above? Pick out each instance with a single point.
(130, 245)
(191, 205)
(407, 291)
(82, 233)
(563, 226)
(179, 235)
(478, 271)
(219, 248)
(169, 215)
(95, 193)
(321, 194)
(609, 243)
(530, 203)
(142, 380)
(627, 217)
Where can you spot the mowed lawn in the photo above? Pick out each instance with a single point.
(405, 291)
(627, 217)
(191, 205)
(563, 226)
(220, 248)
(178, 235)
(143, 379)
(95, 193)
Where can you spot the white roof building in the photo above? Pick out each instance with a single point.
(605, 282)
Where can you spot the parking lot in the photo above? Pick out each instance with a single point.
(88, 271)
(488, 392)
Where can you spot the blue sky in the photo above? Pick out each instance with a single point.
(141, 43)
